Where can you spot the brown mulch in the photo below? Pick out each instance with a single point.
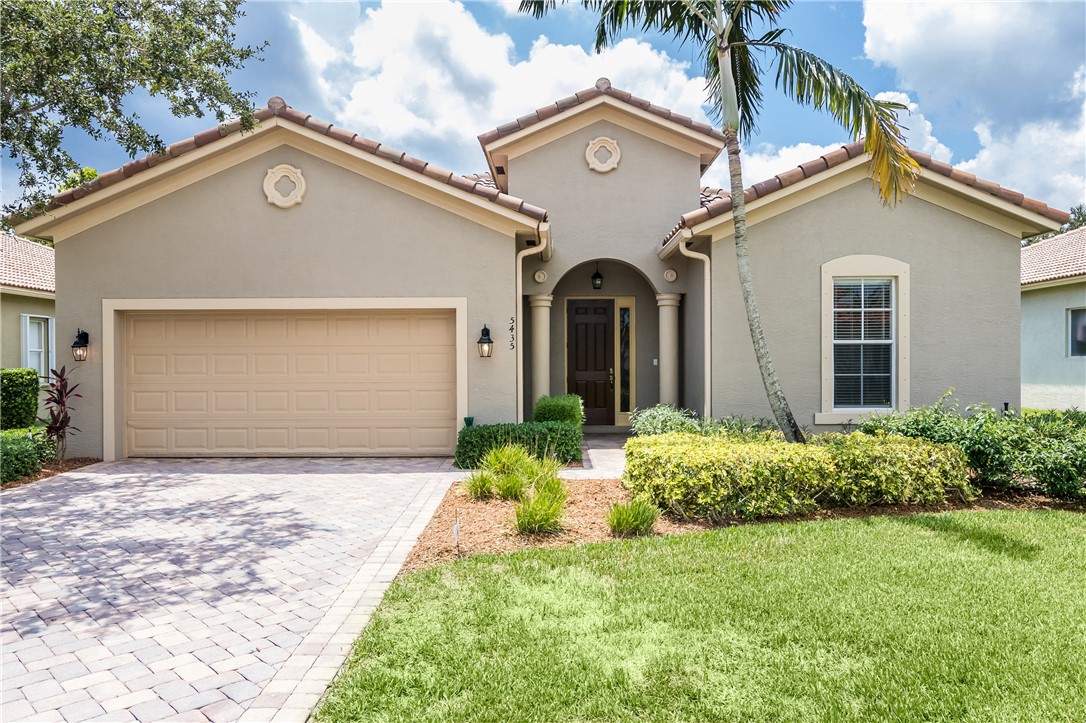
(49, 469)
(487, 527)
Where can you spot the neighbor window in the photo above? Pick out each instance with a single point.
(37, 339)
(863, 343)
(1077, 342)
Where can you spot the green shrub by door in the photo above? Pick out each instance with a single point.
(18, 398)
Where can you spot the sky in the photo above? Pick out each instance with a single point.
(995, 88)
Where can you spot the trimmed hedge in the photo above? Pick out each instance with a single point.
(541, 439)
(19, 390)
(563, 408)
(718, 478)
(22, 452)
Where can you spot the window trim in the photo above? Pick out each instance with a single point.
(24, 342)
(1070, 329)
(865, 266)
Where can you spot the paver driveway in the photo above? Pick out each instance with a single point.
(199, 589)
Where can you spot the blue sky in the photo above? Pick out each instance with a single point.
(996, 88)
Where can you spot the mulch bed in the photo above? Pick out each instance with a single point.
(50, 469)
(487, 527)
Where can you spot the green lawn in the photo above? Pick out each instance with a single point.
(977, 616)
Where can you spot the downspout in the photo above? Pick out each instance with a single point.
(543, 232)
(707, 295)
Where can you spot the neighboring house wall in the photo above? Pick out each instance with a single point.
(1051, 378)
(351, 237)
(12, 307)
(964, 291)
(620, 215)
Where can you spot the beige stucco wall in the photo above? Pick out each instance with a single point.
(964, 289)
(1051, 378)
(12, 306)
(622, 215)
(351, 237)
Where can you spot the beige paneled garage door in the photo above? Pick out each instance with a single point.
(290, 383)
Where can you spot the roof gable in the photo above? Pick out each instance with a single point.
(1059, 258)
(716, 203)
(26, 265)
(601, 102)
(277, 114)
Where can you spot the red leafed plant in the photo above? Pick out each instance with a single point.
(59, 422)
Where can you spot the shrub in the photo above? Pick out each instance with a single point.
(18, 398)
(480, 485)
(562, 440)
(58, 398)
(720, 478)
(564, 408)
(511, 486)
(663, 419)
(1003, 450)
(511, 459)
(21, 453)
(539, 515)
(632, 519)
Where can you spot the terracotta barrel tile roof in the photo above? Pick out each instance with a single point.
(277, 107)
(1060, 257)
(602, 87)
(26, 265)
(717, 202)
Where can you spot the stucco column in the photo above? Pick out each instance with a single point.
(668, 304)
(541, 345)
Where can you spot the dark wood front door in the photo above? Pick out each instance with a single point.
(591, 357)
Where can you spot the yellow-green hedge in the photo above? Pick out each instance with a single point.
(717, 478)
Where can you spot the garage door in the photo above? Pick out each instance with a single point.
(337, 383)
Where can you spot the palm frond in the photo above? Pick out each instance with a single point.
(812, 81)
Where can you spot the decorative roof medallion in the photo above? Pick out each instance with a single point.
(603, 155)
(278, 180)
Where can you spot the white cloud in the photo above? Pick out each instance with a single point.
(430, 82)
(1006, 62)
(1044, 160)
(918, 131)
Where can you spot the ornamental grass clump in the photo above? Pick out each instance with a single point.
(540, 512)
(632, 519)
(480, 485)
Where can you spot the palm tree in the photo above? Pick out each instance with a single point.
(733, 56)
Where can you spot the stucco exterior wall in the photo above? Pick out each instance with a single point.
(352, 237)
(12, 307)
(622, 215)
(964, 309)
(1051, 377)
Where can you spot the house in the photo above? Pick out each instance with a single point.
(27, 303)
(1054, 322)
(303, 290)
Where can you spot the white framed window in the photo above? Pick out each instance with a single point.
(38, 348)
(1076, 332)
(863, 343)
(865, 337)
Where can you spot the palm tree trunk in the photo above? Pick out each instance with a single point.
(772, 384)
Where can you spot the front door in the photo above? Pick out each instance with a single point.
(591, 357)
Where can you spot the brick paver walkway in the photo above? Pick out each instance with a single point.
(198, 589)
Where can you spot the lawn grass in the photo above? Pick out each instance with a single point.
(977, 616)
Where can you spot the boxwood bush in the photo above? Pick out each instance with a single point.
(22, 452)
(562, 440)
(719, 478)
(666, 419)
(18, 398)
(562, 408)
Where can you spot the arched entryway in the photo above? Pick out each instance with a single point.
(601, 343)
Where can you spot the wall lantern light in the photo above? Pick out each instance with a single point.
(80, 345)
(486, 344)
(597, 278)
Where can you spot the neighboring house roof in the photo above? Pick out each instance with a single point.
(26, 264)
(278, 108)
(602, 87)
(717, 202)
(1060, 257)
